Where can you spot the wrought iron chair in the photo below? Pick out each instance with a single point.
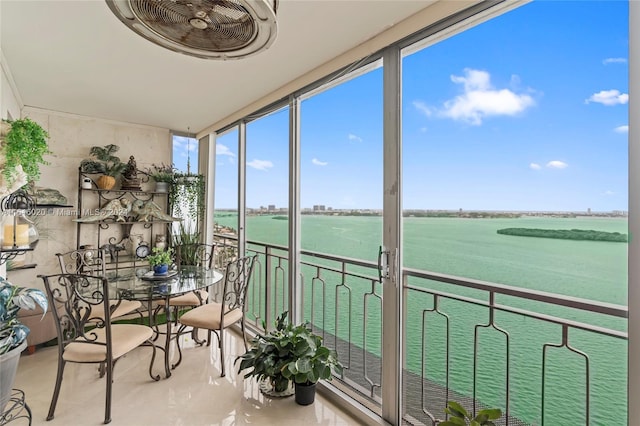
(215, 317)
(85, 337)
(92, 262)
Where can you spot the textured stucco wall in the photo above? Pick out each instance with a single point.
(71, 137)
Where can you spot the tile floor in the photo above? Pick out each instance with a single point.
(194, 395)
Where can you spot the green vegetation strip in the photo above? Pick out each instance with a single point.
(566, 234)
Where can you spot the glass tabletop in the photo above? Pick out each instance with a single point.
(138, 285)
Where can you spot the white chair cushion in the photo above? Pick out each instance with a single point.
(208, 317)
(124, 337)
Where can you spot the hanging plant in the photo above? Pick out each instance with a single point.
(186, 197)
(22, 149)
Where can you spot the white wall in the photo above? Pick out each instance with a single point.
(9, 98)
(71, 137)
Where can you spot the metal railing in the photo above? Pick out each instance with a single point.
(480, 343)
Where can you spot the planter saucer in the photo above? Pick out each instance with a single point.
(267, 389)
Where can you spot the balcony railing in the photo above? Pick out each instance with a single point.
(542, 358)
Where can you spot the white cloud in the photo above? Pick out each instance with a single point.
(555, 164)
(480, 100)
(535, 166)
(223, 150)
(318, 162)
(621, 129)
(608, 193)
(353, 137)
(423, 108)
(423, 129)
(264, 165)
(609, 97)
(615, 61)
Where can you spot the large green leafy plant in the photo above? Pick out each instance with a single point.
(460, 416)
(12, 298)
(290, 353)
(22, 151)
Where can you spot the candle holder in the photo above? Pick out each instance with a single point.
(18, 232)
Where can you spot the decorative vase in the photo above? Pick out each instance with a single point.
(8, 368)
(160, 269)
(106, 182)
(305, 393)
(162, 186)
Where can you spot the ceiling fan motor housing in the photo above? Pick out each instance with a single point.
(210, 29)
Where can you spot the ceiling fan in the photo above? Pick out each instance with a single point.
(210, 29)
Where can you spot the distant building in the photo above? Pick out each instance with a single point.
(319, 208)
(272, 207)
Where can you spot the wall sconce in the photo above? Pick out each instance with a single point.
(18, 232)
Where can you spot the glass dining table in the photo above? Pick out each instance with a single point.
(142, 285)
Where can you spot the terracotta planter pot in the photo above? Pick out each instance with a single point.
(106, 182)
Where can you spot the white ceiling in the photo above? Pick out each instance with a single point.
(77, 57)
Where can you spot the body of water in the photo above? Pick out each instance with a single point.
(471, 248)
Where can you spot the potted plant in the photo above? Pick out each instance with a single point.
(106, 163)
(23, 145)
(162, 174)
(310, 363)
(460, 416)
(290, 353)
(268, 356)
(160, 259)
(186, 198)
(13, 334)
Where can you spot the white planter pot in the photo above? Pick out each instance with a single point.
(8, 368)
(162, 186)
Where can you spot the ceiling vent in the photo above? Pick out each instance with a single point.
(210, 29)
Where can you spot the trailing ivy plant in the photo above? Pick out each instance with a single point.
(186, 197)
(24, 145)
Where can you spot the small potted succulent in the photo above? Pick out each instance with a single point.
(13, 334)
(160, 259)
(105, 163)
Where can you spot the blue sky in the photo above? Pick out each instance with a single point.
(185, 150)
(528, 111)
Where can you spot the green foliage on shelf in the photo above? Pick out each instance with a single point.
(104, 161)
(25, 145)
(162, 172)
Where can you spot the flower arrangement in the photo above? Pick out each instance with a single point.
(12, 298)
